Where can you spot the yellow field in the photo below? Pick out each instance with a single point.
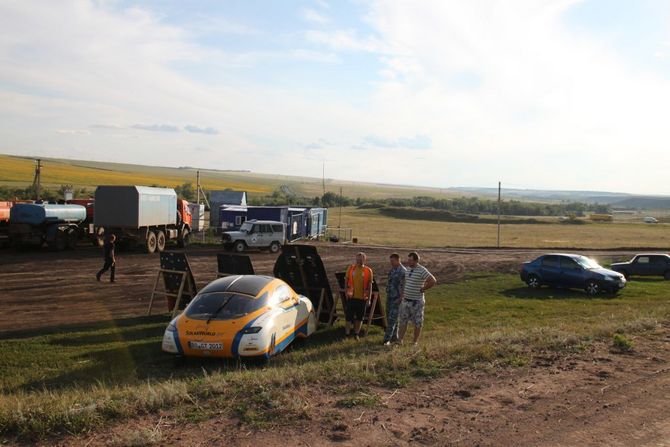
(372, 228)
(18, 171)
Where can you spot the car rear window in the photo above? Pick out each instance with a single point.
(224, 305)
(643, 260)
(550, 261)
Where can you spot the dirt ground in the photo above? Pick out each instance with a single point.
(593, 398)
(40, 289)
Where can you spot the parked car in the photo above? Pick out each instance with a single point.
(650, 220)
(248, 316)
(646, 264)
(265, 234)
(571, 271)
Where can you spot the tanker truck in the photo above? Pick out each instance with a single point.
(142, 216)
(36, 223)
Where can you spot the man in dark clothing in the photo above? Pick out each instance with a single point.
(110, 259)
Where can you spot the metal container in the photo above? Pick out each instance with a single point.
(232, 217)
(134, 207)
(197, 216)
(39, 213)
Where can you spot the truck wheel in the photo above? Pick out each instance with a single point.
(274, 247)
(59, 242)
(160, 241)
(240, 246)
(183, 240)
(71, 240)
(99, 237)
(151, 242)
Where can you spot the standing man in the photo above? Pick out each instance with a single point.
(394, 287)
(358, 281)
(417, 280)
(110, 259)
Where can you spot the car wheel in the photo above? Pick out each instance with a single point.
(533, 282)
(626, 275)
(592, 288)
(240, 246)
(274, 247)
(666, 275)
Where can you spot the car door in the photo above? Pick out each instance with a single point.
(641, 265)
(657, 265)
(255, 236)
(550, 270)
(285, 300)
(572, 274)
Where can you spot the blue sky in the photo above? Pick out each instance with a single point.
(561, 94)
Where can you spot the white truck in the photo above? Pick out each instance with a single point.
(262, 234)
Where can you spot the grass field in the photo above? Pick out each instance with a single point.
(371, 227)
(18, 171)
(69, 380)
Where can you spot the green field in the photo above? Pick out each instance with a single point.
(371, 227)
(70, 380)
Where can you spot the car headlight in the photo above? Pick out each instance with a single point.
(251, 330)
(172, 327)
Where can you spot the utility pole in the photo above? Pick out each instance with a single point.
(498, 214)
(197, 186)
(323, 177)
(340, 224)
(37, 181)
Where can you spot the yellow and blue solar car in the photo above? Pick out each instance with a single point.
(247, 316)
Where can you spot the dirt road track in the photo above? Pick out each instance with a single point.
(45, 289)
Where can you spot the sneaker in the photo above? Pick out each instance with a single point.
(387, 343)
(357, 337)
(97, 277)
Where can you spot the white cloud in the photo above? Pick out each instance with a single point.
(313, 16)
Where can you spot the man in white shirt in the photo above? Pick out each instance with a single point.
(417, 280)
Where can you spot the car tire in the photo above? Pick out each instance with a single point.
(626, 274)
(592, 288)
(666, 275)
(533, 282)
(151, 242)
(274, 247)
(59, 242)
(239, 246)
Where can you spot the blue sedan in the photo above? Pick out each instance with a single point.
(571, 271)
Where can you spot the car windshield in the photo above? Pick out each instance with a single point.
(587, 263)
(224, 306)
(246, 227)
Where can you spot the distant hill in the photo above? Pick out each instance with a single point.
(618, 200)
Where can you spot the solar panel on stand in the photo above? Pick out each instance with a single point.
(230, 264)
(301, 267)
(179, 286)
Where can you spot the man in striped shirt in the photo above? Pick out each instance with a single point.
(417, 280)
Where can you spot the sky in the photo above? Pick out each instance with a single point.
(538, 94)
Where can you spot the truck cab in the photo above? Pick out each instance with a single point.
(262, 234)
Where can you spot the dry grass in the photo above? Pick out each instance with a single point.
(370, 227)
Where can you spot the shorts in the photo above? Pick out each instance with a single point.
(354, 310)
(411, 311)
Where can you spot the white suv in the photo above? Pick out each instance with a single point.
(256, 234)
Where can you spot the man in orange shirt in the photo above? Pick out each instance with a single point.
(359, 287)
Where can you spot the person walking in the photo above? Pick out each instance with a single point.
(413, 300)
(110, 259)
(394, 286)
(358, 281)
